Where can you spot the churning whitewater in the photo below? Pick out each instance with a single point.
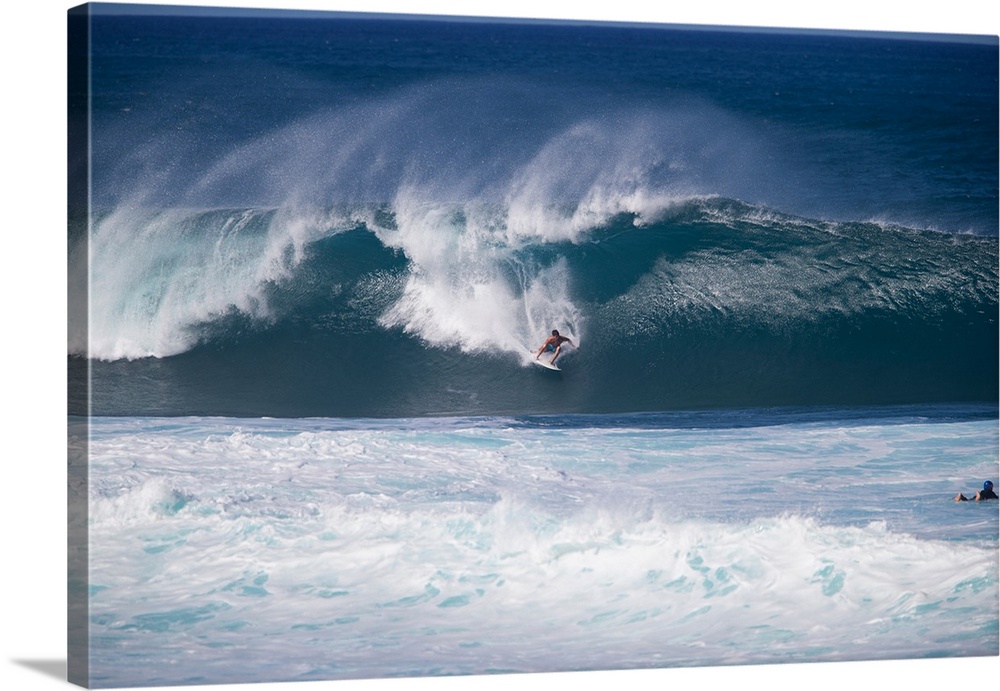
(320, 549)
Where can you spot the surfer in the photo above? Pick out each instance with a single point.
(553, 344)
(985, 493)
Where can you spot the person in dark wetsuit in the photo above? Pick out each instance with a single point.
(985, 493)
(553, 344)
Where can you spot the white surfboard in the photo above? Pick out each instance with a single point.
(544, 362)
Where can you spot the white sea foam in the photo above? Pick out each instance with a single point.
(468, 288)
(471, 546)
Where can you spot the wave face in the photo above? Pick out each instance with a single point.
(349, 245)
(432, 308)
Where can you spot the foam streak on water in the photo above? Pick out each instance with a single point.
(340, 549)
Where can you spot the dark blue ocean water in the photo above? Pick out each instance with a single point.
(376, 217)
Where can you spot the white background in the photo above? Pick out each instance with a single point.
(32, 235)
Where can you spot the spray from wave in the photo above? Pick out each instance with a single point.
(461, 190)
(458, 220)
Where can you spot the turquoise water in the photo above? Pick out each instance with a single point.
(280, 550)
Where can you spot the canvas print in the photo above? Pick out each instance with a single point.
(419, 346)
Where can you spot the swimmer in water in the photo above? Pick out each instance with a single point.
(985, 493)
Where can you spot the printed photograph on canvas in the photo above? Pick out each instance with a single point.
(418, 346)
